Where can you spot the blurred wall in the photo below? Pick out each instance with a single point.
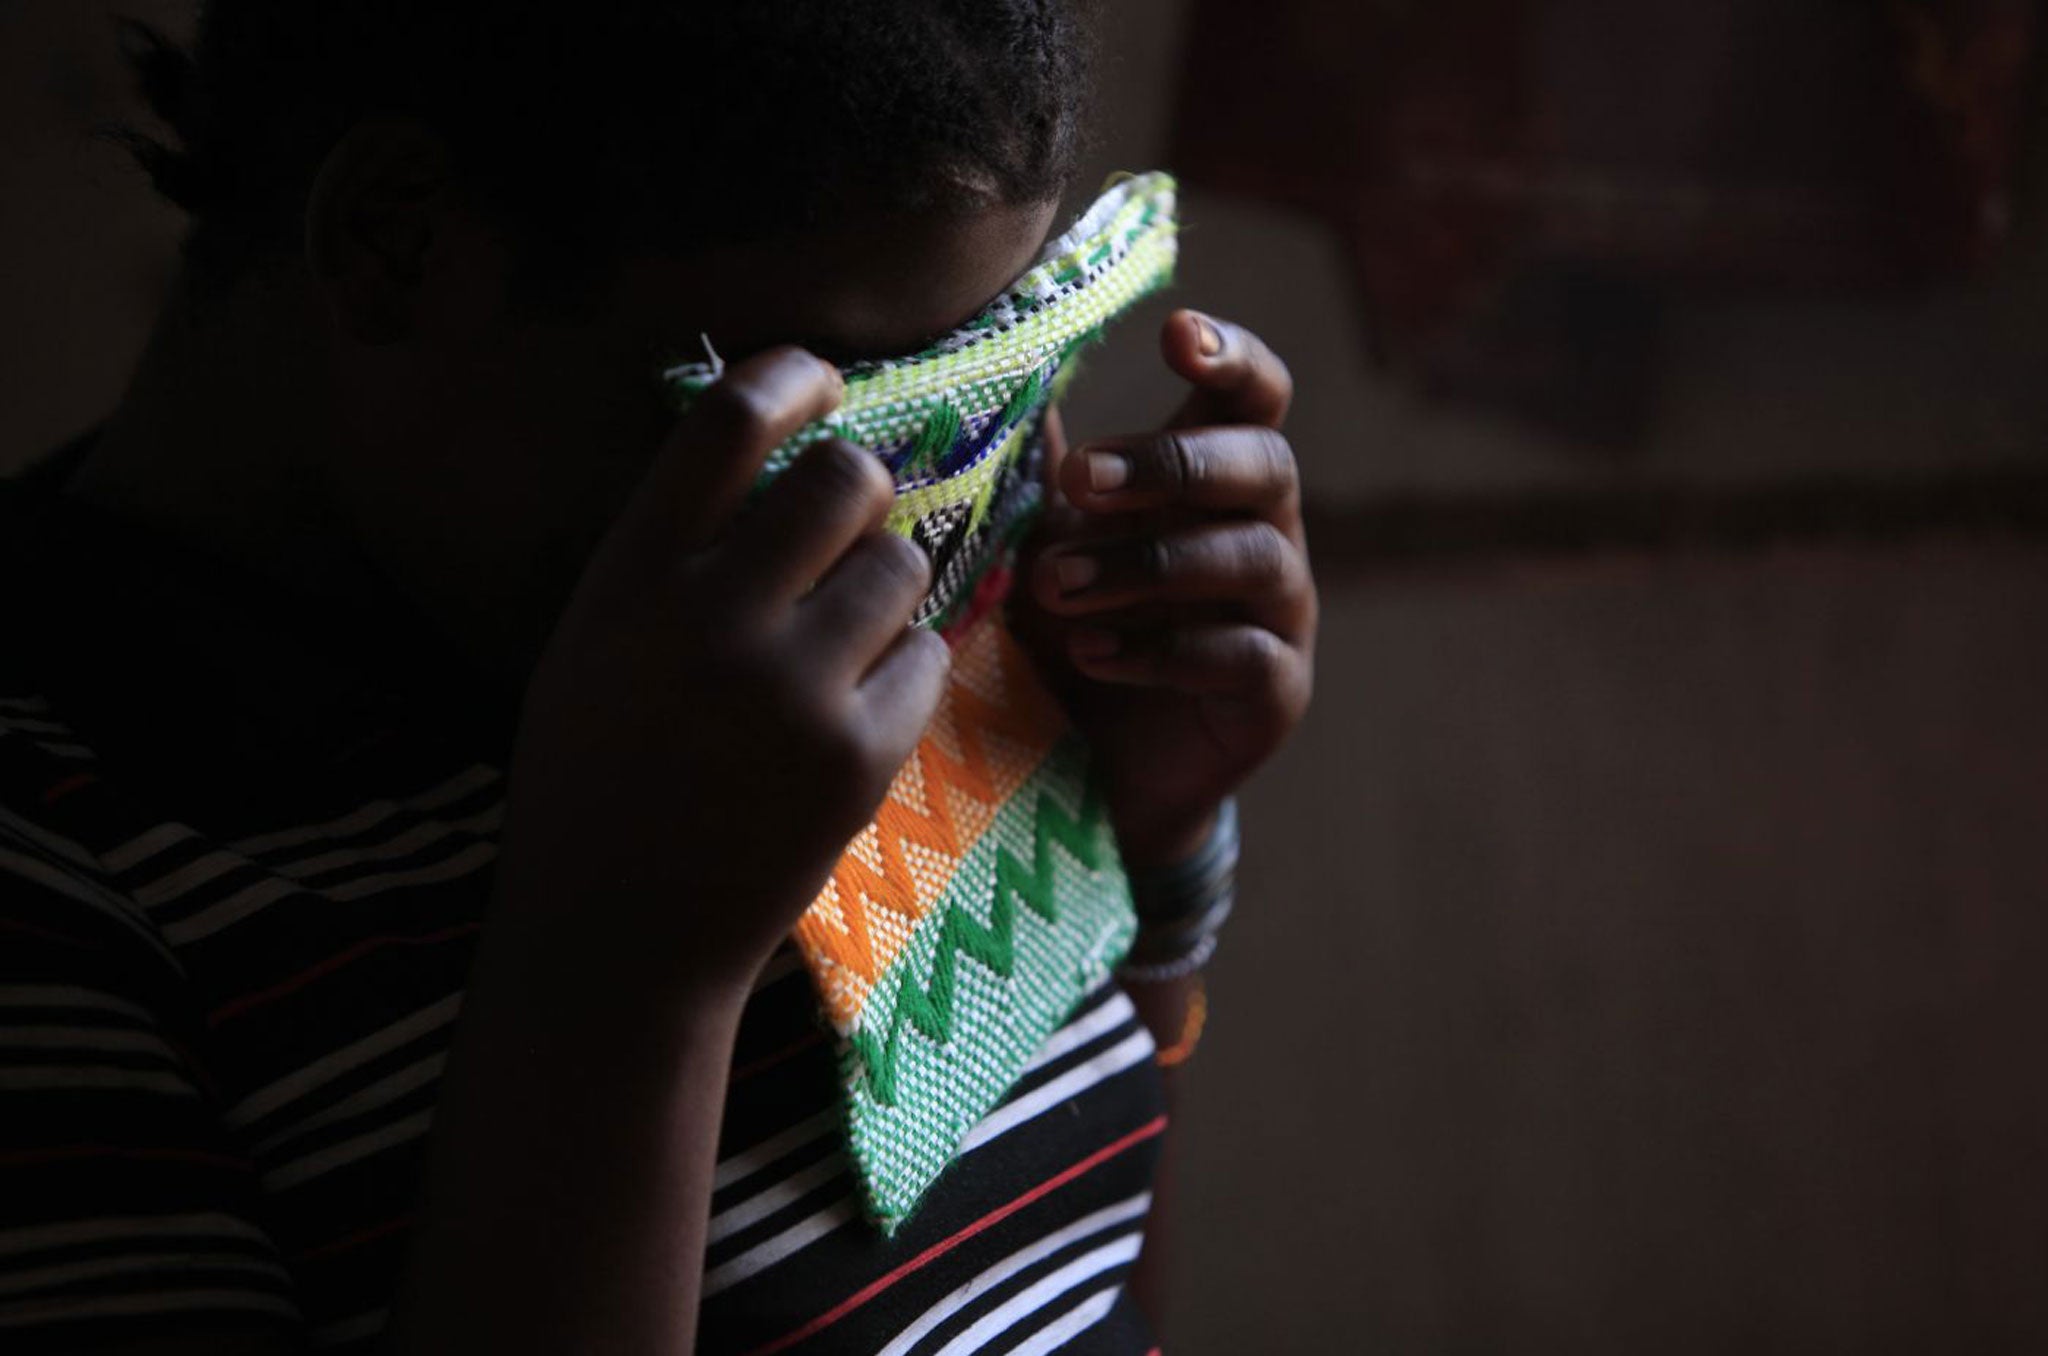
(1642, 952)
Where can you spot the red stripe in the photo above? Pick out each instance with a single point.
(356, 1239)
(993, 589)
(235, 1008)
(77, 1151)
(65, 787)
(940, 1249)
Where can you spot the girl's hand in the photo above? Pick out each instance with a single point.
(719, 709)
(1168, 594)
(723, 701)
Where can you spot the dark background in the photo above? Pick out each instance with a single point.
(1643, 943)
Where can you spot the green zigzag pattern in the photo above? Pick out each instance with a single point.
(930, 1009)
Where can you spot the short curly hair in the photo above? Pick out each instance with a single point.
(606, 125)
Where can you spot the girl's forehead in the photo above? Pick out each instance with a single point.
(865, 286)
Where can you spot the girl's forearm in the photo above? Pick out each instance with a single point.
(570, 1180)
(1164, 1008)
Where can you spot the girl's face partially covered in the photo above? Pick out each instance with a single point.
(528, 433)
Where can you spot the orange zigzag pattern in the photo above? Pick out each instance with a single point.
(937, 806)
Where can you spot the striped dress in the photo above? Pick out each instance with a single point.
(245, 854)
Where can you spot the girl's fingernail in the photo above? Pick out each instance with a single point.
(1075, 572)
(1209, 338)
(1093, 644)
(1107, 471)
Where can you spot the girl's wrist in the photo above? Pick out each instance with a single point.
(1159, 845)
(1182, 907)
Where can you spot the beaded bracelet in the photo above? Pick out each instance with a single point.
(1166, 971)
(1188, 886)
(1182, 908)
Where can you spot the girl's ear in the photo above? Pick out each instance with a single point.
(376, 205)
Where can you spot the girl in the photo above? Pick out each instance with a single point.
(393, 599)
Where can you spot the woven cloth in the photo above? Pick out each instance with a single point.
(986, 898)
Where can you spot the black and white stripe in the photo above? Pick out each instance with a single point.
(222, 1038)
(131, 1265)
(29, 718)
(801, 1187)
(382, 846)
(1080, 1261)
